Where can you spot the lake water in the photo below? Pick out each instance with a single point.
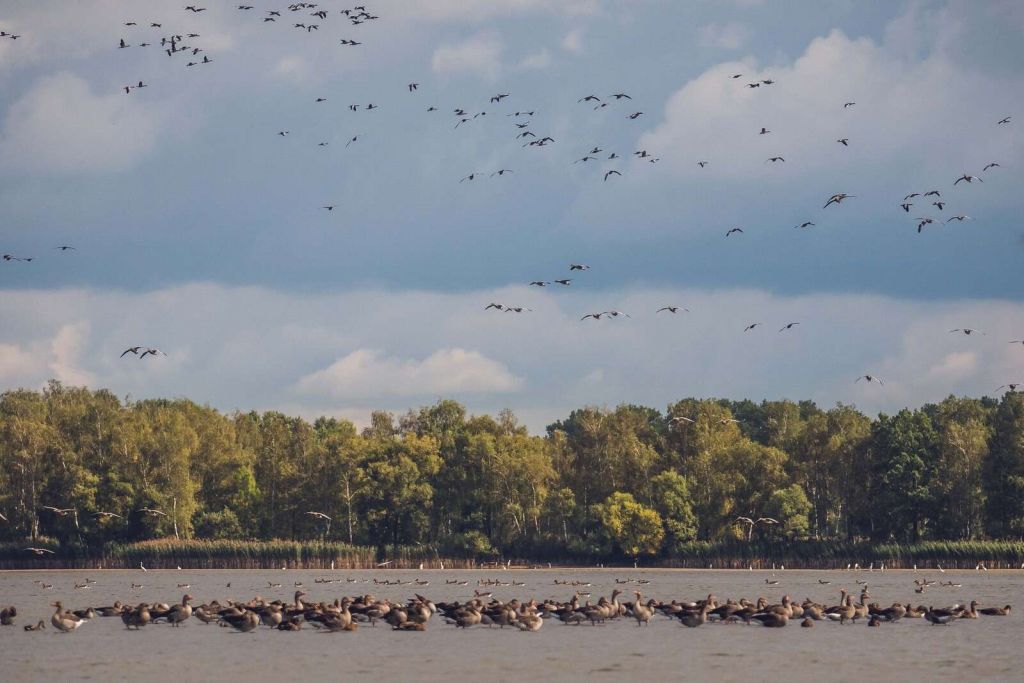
(986, 649)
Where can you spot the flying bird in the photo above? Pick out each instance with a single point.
(1012, 387)
(499, 307)
(969, 178)
(672, 309)
(611, 173)
(764, 131)
(132, 349)
(869, 379)
(319, 515)
(992, 165)
(789, 327)
(565, 282)
(845, 142)
(961, 218)
(751, 326)
(967, 330)
(1006, 120)
(578, 266)
(151, 352)
(837, 199)
(805, 224)
(39, 551)
(152, 511)
(595, 316)
(774, 159)
(732, 230)
(702, 164)
(848, 104)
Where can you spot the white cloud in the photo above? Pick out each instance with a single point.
(479, 10)
(293, 68)
(542, 363)
(479, 55)
(907, 109)
(66, 350)
(955, 366)
(573, 41)
(62, 125)
(536, 61)
(16, 364)
(366, 372)
(730, 36)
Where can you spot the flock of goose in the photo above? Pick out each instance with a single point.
(349, 612)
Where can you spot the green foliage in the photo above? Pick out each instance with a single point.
(790, 507)
(600, 483)
(218, 525)
(671, 500)
(634, 528)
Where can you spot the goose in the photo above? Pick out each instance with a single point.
(771, 619)
(181, 612)
(137, 617)
(38, 627)
(64, 621)
(972, 612)
(941, 616)
(693, 619)
(807, 623)
(245, 622)
(996, 611)
(7, 615)
(641, 612)
(293, 624)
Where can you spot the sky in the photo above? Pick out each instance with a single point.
(200, 230)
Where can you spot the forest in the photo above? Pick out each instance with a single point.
(83, 468)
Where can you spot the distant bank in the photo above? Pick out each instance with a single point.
(228, 554)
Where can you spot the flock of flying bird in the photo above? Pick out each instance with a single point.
(185, 44)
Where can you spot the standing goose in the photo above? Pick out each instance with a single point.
(7, 615)
(181, 612)
(64, 621)
(641, 612)
(137, 617)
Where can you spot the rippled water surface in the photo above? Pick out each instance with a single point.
(990, 648)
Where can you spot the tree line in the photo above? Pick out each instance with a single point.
(86, 468)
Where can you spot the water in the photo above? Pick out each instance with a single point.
(989, 648)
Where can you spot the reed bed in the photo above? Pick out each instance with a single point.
(169, 553)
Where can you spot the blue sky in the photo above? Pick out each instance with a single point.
(200, 230)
